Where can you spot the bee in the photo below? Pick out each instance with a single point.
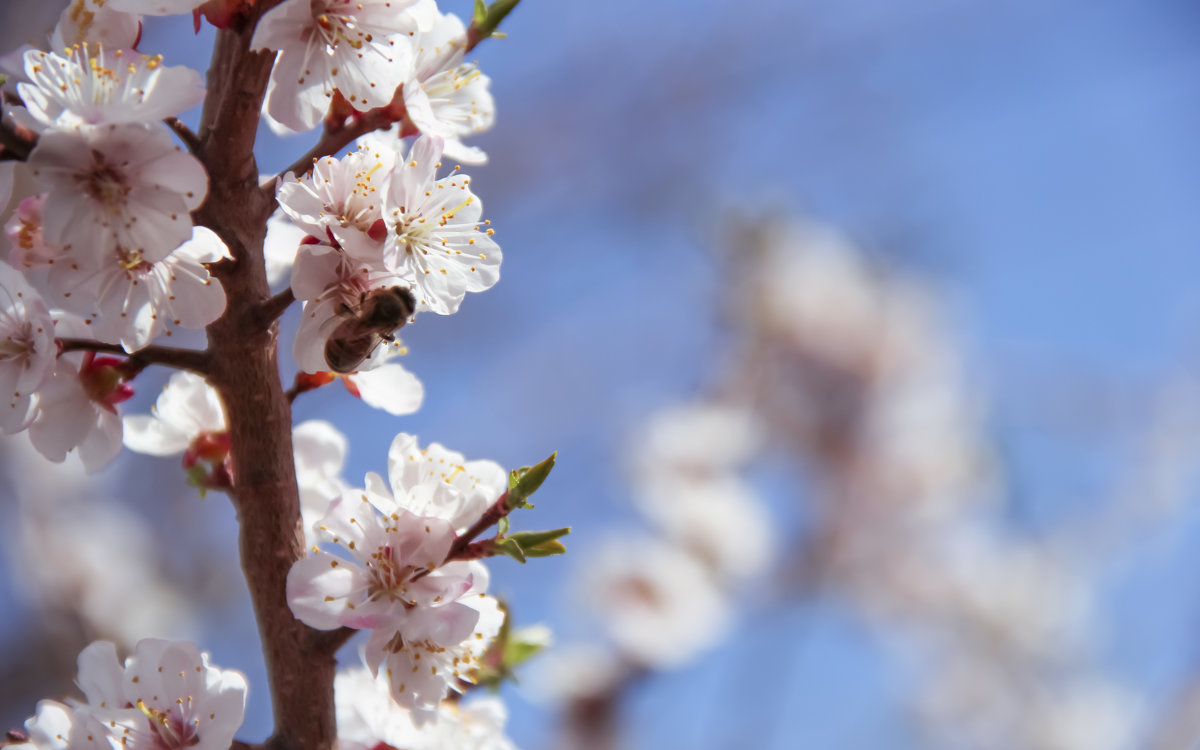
(360, 328)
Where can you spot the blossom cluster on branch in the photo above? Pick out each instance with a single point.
(115, 243)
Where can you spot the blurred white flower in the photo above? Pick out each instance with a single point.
(656, 603)
(187, 409)
(27, 347)
(367, 716)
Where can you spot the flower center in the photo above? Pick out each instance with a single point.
(169, 728)
(388, 577)
(105, 184)
(131, 260)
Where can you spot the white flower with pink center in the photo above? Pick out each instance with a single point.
(77, 404)
(91, 86)
(446, 97)
(424, 660)
(359, 49)
(396, 583)
(121, 186)
(166, 696)
(435, 235)
(27, 347)
(130, 301)
(342, 200)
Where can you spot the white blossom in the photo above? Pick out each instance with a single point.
(395, 583)
(92, 85)
(187, 409)
(280, 246)
(436, 482)
(367, 716)
(334, 288)
(446, 97)
(29, 250)
(27, 348)
(113, 187)
(130, 301)
(434, 233)
(56, 726)
(657, 604)
(96, 21)
(166, 696)
(361, 50)
(342, 200)
(320, 451)
(77, 405)
(389, 387)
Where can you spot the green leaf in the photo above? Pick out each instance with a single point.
(524, 644)
(510, 548)
(502, 526)
(523, 482)
(480, 13)
(540, 543)
(485, 26)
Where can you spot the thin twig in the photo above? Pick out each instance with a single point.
(190, 139)
(275, 306)
(181, 359)
(338, 135)
(490, 518)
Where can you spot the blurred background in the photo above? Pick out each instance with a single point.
(867, 336)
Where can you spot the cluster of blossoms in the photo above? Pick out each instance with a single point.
(429, 615)
(853, 370)
(105, 260)
(102, 245)
(663, 598)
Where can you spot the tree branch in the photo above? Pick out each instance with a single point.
(338, 135)
(245, 371)
(329, 641)
(490, 518)
(181, 359)
(190, 139)
(272, 309)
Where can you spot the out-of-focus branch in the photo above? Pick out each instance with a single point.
(16, 143)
